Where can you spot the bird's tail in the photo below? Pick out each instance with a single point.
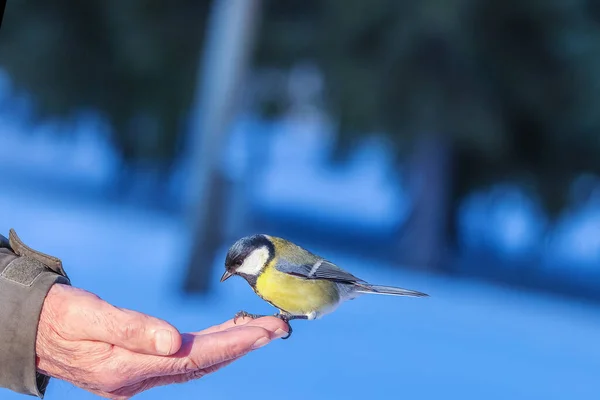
(389, 290)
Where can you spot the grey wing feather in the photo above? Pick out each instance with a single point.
(321, 269)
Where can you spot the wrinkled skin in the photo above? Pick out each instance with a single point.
(115, 353)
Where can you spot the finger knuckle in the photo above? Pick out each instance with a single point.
(130, 330)
(230, 352)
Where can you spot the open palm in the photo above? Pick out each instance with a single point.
(113, 352)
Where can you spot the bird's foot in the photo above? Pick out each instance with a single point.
(282, 316)
(287, 318)
(244, 314)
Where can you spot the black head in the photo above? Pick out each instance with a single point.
(248, 256)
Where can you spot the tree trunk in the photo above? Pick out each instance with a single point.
(231, 29)
(430, 180)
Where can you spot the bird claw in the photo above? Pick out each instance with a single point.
(285, 319)
(244, 314)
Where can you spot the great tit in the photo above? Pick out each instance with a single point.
(299, 283)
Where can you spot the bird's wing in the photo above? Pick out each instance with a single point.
(321, 269)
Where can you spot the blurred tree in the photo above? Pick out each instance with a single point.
(473, 91)
(133, 61)
(137, 63)
(476, 92)
(230, 39)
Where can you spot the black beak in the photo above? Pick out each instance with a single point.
(226, 276)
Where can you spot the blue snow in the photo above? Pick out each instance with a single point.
(468, 340)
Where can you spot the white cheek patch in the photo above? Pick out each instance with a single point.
(254, 262)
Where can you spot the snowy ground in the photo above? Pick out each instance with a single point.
(468, 341)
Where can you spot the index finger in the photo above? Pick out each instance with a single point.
(197, 352)
(273, 324)
(224, 326)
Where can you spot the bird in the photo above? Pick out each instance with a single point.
(300, 284)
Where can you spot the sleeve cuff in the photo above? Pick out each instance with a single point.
(24, 284)
(20, 309)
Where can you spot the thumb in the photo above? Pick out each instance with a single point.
(134, 331)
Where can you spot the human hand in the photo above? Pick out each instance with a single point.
(117, 353)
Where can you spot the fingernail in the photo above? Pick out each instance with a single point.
(260, 343)
(279, 333)
(163, 342)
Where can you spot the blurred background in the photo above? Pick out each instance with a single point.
(446, 146)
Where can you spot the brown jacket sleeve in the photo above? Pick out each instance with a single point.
(26, 276)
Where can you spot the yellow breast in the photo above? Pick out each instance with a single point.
(295, 295)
